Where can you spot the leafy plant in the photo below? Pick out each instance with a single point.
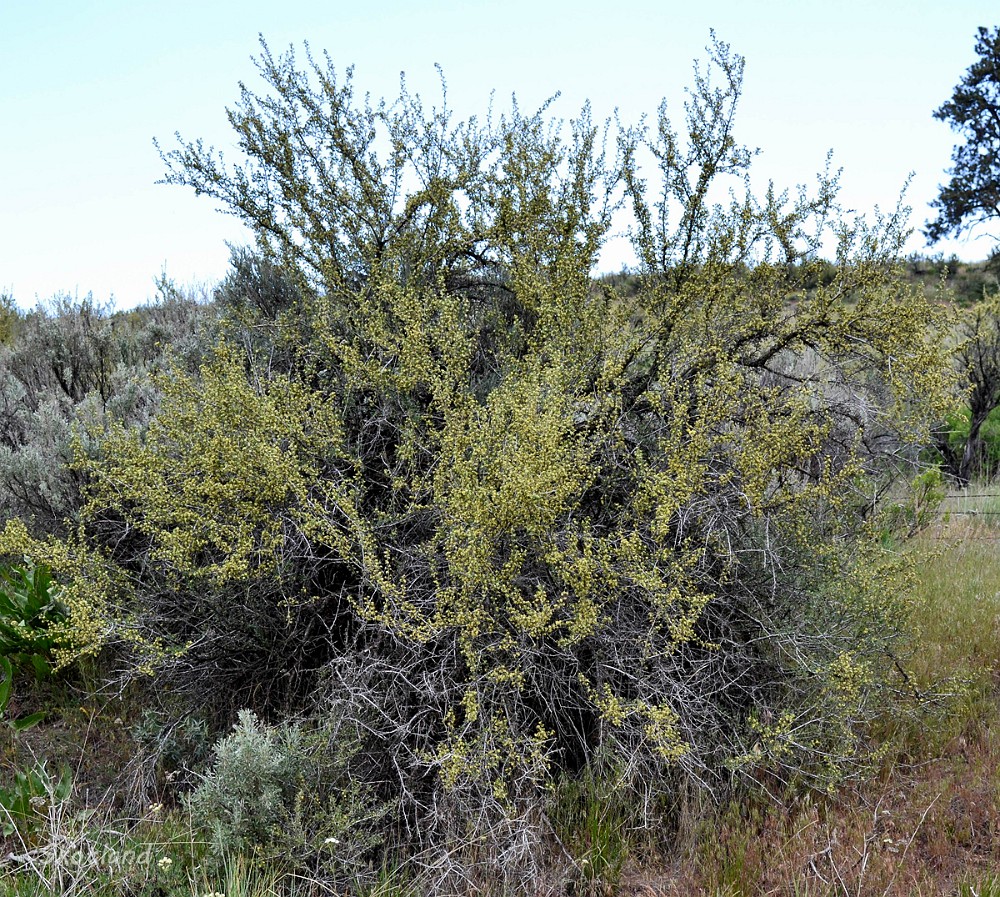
(277, 792)
(29, 608)
(920, 508)
(246, 799)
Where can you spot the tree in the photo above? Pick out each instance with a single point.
(977, 360)
(972, 196)
(507, 522)
(9, 316)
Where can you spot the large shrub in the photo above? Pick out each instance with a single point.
(506, 521)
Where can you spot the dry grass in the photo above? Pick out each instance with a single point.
(927, 822)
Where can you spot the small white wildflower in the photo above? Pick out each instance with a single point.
(155, 810)
(165, 863)
(331, 841)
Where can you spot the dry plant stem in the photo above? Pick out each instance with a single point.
(909, 842)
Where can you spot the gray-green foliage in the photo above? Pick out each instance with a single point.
(66, 369)
(281, 792)
(247, 799)
(262, 309)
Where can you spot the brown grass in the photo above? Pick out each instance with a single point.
(927, 822)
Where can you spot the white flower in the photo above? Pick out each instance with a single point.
(165, 863)
(331, 841)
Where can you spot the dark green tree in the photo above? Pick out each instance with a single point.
(972, 196)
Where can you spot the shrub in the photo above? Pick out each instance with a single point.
(277, 792)
(926, 493)
(964, 442)
(247, 798)
(30, 612)
(9, 317)
(68, 368)
(504, 519)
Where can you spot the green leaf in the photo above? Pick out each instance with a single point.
(26, 722)
(5, 685)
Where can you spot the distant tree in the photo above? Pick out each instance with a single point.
(973, 194)
(8, 318)
(978, 362)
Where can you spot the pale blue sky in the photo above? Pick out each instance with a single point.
(85, 85)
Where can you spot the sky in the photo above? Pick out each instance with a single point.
(86, 85)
